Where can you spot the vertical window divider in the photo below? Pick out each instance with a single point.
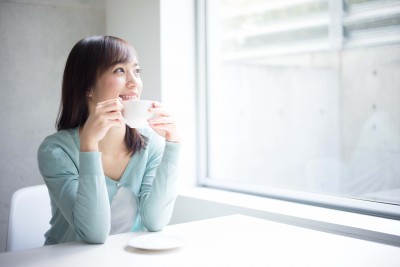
(336, 11)
(201, 90)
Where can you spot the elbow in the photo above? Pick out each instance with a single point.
(95, 235)
(98, 238)
(93, 231)
(155, 219)
(154, 227)
(155, 223)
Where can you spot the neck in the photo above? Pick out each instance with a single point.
(113, 142)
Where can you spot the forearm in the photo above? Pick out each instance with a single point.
(157, 204)
(91, 213)
(79, 193)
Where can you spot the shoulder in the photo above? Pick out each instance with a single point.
(63, 137)
(60, 144)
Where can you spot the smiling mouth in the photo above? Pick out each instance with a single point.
(128, 97)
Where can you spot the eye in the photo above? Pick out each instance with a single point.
(138, 70)
(119, 70)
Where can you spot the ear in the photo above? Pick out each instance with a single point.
(89, 93)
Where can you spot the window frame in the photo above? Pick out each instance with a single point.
(368, 207)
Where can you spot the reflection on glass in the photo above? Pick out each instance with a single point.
(304, 95)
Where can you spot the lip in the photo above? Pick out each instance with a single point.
(128, 96)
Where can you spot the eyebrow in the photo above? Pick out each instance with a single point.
(135, 64)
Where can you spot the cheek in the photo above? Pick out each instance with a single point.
(114, 84)
(107, 89)
(112, 87)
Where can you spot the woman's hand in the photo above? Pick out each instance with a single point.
(102, 118)
(164, 123)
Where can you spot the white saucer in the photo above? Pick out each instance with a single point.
(156, 241)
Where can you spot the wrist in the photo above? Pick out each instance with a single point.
(173, 138)
(89, 146)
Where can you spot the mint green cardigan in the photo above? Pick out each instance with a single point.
(81, 194)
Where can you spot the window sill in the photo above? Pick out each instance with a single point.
(362, 226)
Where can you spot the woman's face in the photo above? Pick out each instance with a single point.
(121, 80)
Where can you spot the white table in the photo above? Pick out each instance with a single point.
(225, 241)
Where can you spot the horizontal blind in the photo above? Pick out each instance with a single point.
(371, 22)
(274, 28)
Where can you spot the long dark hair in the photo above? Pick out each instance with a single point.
(88, 59)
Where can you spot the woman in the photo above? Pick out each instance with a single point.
(104, 177)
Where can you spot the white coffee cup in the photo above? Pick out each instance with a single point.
(136, 112)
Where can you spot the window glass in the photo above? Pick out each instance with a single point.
(304, 96)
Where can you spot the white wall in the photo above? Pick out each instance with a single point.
(36, 37)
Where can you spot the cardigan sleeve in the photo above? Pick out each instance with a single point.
(159, 190)
(79, 192)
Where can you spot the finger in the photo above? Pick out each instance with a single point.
(115, 121)
(118, 99)
(114, 115)
(161, 126)
(160, 111)
(109, 106)
(110, 101)
(162, 120)
(157, 104)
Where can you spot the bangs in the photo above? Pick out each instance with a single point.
(115, 51)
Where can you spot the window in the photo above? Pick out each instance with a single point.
(302, 101)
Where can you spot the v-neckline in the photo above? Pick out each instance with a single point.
(124, 174)
(128, 166)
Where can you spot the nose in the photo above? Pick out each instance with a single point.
(132, 79)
